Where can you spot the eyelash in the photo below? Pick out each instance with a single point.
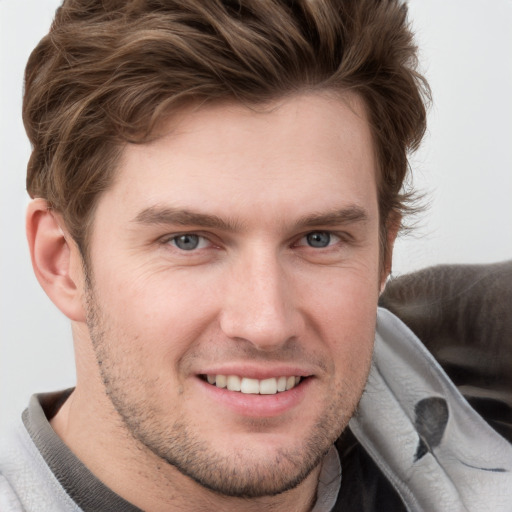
(171, 240)
(320, 232)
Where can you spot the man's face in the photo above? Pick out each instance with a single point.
(242, 247)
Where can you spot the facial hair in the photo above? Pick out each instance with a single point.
(241, 474)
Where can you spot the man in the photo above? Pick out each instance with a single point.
(216, 195)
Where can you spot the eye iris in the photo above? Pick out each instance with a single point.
(187, 242)
(319, 239)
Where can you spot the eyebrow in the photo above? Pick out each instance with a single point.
(348, 215)
(174, 216)
(156, 215)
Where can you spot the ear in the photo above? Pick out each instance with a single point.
(393, 223)
(56, 260)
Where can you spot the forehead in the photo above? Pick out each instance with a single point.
(313, 150)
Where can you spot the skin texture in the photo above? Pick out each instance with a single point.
(253, 299)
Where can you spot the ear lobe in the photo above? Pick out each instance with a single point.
(56, 259)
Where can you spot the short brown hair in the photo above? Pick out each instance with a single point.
(110, 70)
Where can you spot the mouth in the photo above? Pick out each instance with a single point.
(271, 386)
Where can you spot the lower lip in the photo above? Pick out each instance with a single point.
(257, 406)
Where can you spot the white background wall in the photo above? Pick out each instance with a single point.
(465, 166)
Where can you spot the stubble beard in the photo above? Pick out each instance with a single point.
(237, 475)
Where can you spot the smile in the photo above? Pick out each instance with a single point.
(253, 386)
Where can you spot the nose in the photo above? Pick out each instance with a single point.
(259, 305)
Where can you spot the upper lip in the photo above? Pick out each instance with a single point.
(257, 371)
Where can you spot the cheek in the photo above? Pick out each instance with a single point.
(345, 297)
(342, 311)
(166, 312)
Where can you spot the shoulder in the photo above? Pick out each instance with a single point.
(26, 482)
(9, 501)
(461, 313)
(12, 468)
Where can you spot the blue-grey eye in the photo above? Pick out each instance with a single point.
(318, 239)
(187, 242)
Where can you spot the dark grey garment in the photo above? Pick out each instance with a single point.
(89, 493)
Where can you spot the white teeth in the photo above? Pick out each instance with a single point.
(254, 386)
(233, 383)
(250, 386)
(220, 381)
(268, 387)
